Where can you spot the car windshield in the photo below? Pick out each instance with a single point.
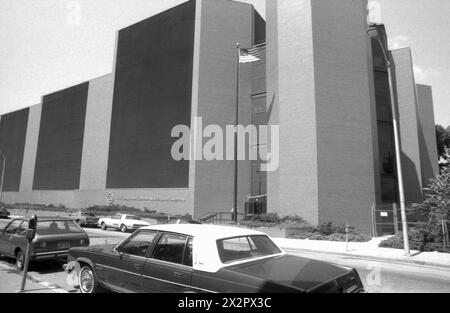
(132, 217)
(57, 227)
(245, 247)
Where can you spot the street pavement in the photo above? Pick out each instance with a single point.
(378, 275)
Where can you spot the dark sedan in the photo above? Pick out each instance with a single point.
(85, 219)
(54, 237)
(4, 213)
(203, 258)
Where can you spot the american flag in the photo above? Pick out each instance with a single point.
(249, 55)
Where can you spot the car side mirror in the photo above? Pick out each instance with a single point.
(118, 251)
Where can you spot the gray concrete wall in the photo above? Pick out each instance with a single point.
(427, 134)
(220, 26)
(345, 141)
(94, 162)
(408, 124)
(31, 142)
(295, 188)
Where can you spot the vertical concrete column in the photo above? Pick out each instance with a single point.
(345, 113)
(94, 161)
(325, 110)
(29, 156)
(219, 26)
(427, 134)
(273, 96)
(409, 124)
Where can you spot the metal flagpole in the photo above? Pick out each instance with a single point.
(235, 202)
(235, 195)
(3, 173)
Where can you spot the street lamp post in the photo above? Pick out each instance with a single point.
(375, 33)
(3, 173)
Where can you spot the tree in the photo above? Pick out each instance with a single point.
(436, 206)
(443, 139)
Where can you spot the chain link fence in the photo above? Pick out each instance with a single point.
(387, 220)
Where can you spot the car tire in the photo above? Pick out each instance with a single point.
(20, 260)
(103, 226)
(123, 228)
(87, 280)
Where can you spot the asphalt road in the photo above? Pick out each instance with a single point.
(378, 277)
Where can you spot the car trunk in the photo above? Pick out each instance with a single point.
(302, 273)
(60, 242)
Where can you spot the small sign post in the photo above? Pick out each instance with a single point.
(347, 231)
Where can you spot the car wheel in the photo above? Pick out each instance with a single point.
(88, 281)
(20, 260)
(123, 228)
(103, 226)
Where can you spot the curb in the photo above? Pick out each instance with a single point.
(375, 258)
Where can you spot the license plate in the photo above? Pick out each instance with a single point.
(64, 245)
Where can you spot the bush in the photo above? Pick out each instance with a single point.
(339, 237)
(273, 220)
(302, 236)
(428, 236)
(422, 238)
(328, 229)
(318, 237)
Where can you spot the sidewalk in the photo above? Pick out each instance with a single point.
(11, 281)
(366, 250)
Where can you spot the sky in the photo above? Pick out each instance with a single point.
(49, 45)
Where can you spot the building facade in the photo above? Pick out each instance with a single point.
(321, 79)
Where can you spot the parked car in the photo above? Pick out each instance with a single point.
(203, 259)
(4, 213)
(85, 219)
(54, 237)
(122, 222)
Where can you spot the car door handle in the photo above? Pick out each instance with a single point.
(178, 274)
(138, 267)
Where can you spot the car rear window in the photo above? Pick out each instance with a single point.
(88, 214)
(132, 217)
(245, 247)
(57, 227)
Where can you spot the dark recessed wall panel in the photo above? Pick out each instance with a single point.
(152, 94)
(386, 142)
(13, 130)
(260, 29)
(60, 146)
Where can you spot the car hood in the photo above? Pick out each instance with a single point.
(294, 271)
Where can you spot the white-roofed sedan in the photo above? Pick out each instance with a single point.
(203, 258)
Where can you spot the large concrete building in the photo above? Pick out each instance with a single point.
(321, 79)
